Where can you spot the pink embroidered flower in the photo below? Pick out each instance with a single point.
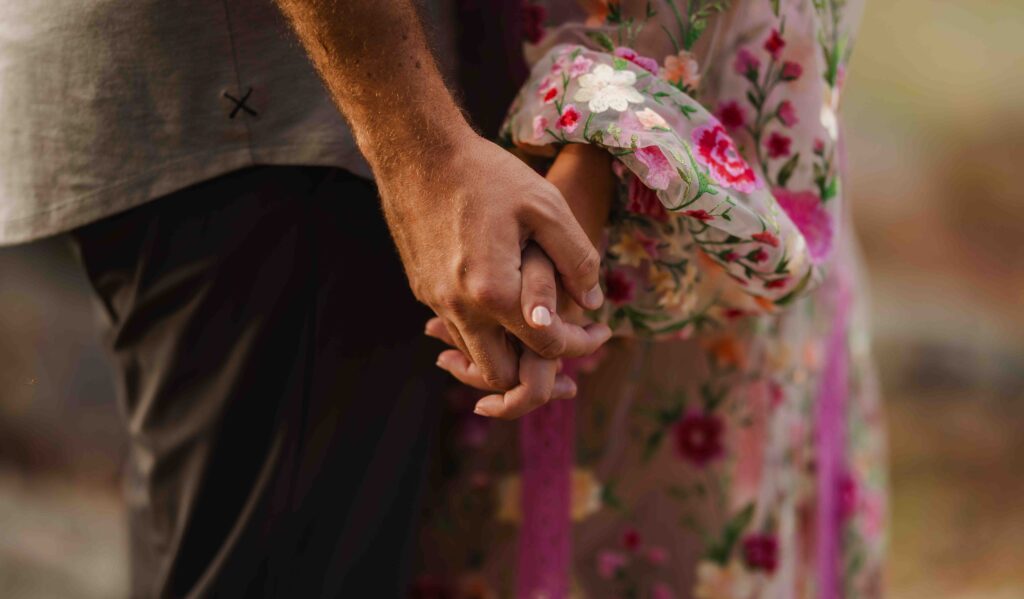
(716, 150)
(761, 552)
(649, 119)
(732, 114)
(631, 539)
(767, 238)
(540, 126)
(777, 145)
(757, 256)
(746, 64)
(619, 287)
(819, 147)
(661, 590)
(787, 114)
(681, 69)
(657, 556)
(580, 65)
(569, 120)
(698, 437)
(659, 170)
(701, 215)
(774, 44)
(791, 71)
(808, 213)
(533, 22)
(648, 64)
(609, 563)
(644, 200)
(847, 496)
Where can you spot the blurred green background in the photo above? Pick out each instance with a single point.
(934, 112)
(935, 122)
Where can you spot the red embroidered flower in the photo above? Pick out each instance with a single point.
(731, 114)
(787, 114)
(819, 147)
(659, 169)
(758, 255)
(746, 64)
(569, 120)
(791, 71)
(619, 287)
(776, 283)
(766, 238)
(808, 213)
(733, 313)
(549, 94)
(778, 145)
(644, 201)
(774, 44)
(648, 64)
(728, 256)
(701, 215)
(716, 150)
(698, 437)
(631, 539)
(533, 22)
(761, 552)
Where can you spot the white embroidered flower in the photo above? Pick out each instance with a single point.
(650, 119)
(605, 88)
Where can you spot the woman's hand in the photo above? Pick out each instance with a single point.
(583, 174)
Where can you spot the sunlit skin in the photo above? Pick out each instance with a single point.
(460, 208)
(583, 174)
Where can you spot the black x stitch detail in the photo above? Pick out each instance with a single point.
(240, 104)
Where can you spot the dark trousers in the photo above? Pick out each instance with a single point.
(278, 391)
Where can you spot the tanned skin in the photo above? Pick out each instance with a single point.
(461, 209)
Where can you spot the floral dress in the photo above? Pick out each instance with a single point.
(728, 443)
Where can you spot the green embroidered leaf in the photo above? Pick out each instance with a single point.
(609, 497)
(687, 110)
(786, 171)
(721, 551)
(831, 190)
(602, 40)
(620, 64)
(789, 297)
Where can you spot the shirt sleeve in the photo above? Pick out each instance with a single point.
(690, 204)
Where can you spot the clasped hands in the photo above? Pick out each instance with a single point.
(506, 258)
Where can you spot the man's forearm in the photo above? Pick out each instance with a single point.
(374, 57)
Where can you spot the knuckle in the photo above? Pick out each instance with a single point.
(589, 264)
(497, 380)
(488, 293)
(541, 285)
(551, 348)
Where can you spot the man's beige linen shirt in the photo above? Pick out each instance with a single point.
(106, 104)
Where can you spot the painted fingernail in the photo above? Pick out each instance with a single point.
(541, 316)
(594, 298)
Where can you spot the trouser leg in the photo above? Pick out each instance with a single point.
(277, 389)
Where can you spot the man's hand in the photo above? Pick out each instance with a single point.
(461, 230)
(460, 208)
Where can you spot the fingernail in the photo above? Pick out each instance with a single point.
(594, 298)
(482, 409)
(541, 316)
(564, 388)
